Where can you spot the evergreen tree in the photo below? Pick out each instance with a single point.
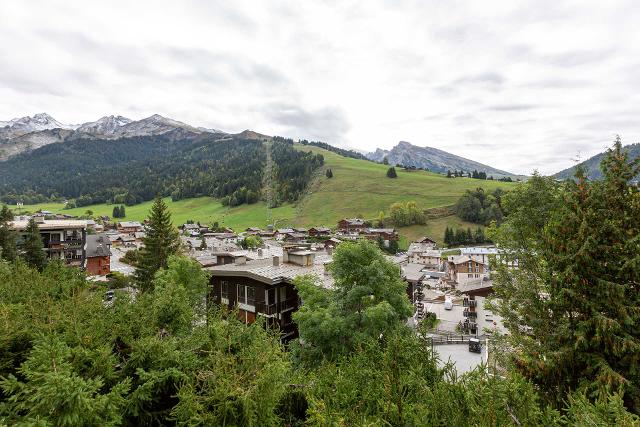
(123, 213)
(576, 290)
(391, 172)
(329, 173)
(460, 237)
(469, 238)
(32, 247)
(160, 243)
(385, 160)
(8, 237)
(449, 174)
(479, 235)
(116, 212)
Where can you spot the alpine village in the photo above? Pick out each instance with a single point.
(156, 272)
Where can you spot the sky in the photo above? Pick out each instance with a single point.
(520, 86)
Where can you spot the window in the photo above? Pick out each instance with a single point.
(470, 267)
(246, 294)
(271, 296)
(477, 268)
(224, 289)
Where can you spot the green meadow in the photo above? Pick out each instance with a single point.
(358, 188)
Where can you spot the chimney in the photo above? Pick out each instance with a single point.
(285, 254)
(276, 261)
(260, 253)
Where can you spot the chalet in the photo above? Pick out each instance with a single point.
(129, 227)
(387, 234)
(282, 232)
(427, 242)
(264, 287)
(98, 255)
(267, 234)
(465, 269)
(413, 275)
(65, 240)
(253, 230)
(332, 243)
(300, 230)
(319, 231)
(351, 225)
(294, 237)
(124, 240)
(431, 258)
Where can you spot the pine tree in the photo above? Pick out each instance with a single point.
(329, 173)
(469, 238)
(8, 237)
(116, 212)
(577, 285)
(391, 172)
(161, 241)
(449, 174)
(122, 211)
(32, 247)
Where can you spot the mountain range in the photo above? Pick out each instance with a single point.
(29, 133)
(433, 159)
(592, 164)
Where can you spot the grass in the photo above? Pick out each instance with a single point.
(203, 209)
(361, 188)
(358, 188)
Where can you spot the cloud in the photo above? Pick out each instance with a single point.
(513, 85)
(324, 124)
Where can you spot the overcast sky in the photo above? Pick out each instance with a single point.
(516, 85)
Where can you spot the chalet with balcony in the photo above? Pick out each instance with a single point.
(62, 239)
(351, 225)
(467, 269)
(264, 287)
(98, 255)
(130, 227)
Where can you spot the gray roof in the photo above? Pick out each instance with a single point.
(98, 245)
(263, 270)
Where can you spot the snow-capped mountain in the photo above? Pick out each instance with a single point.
(27, 133)
(24, 125)
(106, 126)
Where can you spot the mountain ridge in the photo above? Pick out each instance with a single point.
(31, 132)
(592, 164)
(434, 159)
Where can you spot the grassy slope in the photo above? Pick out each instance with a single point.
(203, 209)
(358, 188)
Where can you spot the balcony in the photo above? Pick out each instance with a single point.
(269, 309)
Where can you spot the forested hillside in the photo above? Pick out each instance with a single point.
(133, 170)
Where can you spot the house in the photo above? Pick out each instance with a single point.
(264, 287)
(129, 227)
(319, 231)
(282, 232)
(466, 269)
(351, 225)
(427, 242)
(98, 255)
(387, 234)
(62, 239)
(253, 230)
(419, 254)
(300, 230)
(268, 234)
(124, 240)
(332, 243)
(294, 237)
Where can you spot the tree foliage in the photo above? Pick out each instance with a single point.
(8, 237)
(160, 242)
(391, 172)
(480, 207)
(32, 248)
(403, 214)
(576, 290)
(368, 299)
